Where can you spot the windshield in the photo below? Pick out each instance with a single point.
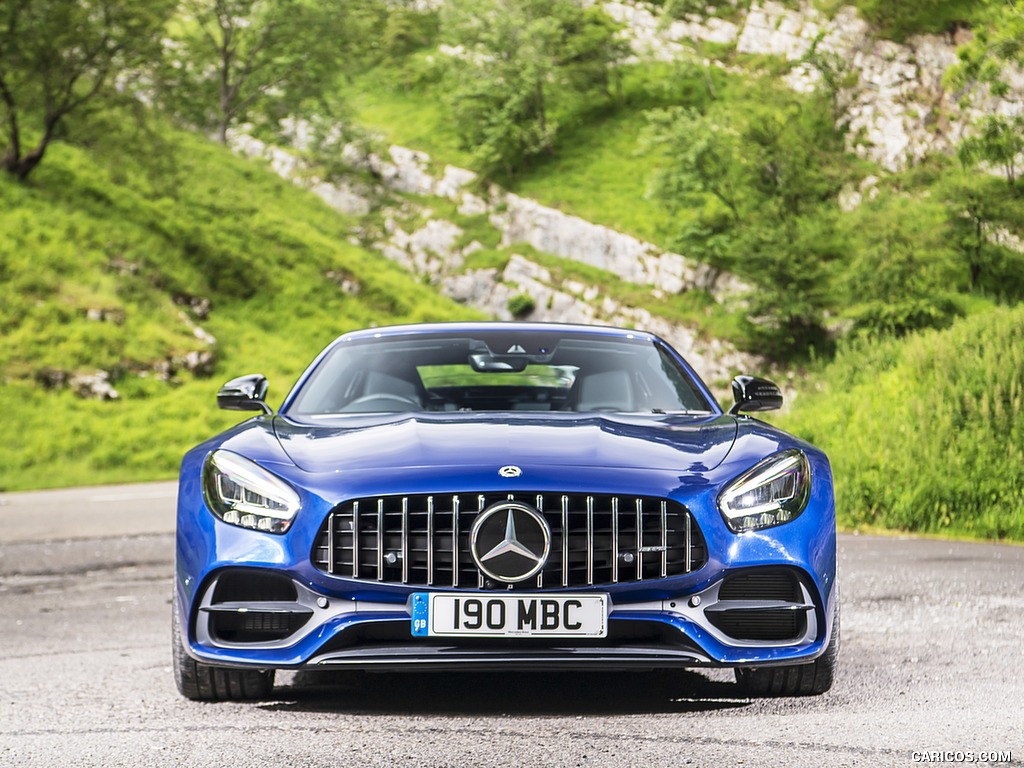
(498, 371)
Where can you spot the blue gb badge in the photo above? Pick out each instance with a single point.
(420, 614)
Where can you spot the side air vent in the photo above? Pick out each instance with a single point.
(246, 606)
(763, 606)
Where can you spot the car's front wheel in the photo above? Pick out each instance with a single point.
(811, 679)
(203, 682)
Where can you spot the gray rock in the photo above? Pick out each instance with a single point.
(93, 386)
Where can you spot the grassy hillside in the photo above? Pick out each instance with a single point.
(111, 258)
(129, 257)
(926, 433)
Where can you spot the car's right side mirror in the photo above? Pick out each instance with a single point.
(754, 394)
(246, 393)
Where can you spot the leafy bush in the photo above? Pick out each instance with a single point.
(905, 268)
(926, 433)
(898, 19)
(521, 305)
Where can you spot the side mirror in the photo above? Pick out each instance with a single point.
(754, 394)
(246, 393)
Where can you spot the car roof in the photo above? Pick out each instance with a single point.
(497, 327)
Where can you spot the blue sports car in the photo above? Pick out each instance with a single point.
(503, 495)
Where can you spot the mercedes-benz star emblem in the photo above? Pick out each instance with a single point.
(510, 542)
(510, 471)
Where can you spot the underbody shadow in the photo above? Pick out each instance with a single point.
(505, 693)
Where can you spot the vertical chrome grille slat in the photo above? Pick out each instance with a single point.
(615, 539)
(590, 540)
(593, 539)
(664, 539)
(689, 545)
(405, 539)
(355, 540)
(380, 539)
(639, 539)
(481, 504)
(430, 541)
(565, 541)
(330, 544)
(455, 541)
(540, 508)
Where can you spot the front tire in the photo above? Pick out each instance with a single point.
(204, 682)
(811, 679)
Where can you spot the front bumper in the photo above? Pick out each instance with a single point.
(713, 626)
(315, 619)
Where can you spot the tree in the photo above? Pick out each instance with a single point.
(982, 212)
(998, 43)
(60, 56)
(998, 140)
(752, 195)
(517, 60)
(258, 61)
(981, 70)
(904, 271)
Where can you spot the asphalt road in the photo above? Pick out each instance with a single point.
(932, 663)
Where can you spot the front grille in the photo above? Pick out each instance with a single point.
(423, 540)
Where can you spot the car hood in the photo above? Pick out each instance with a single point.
(399, 441)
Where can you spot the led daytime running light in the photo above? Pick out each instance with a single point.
(242, 493)
(773, 492)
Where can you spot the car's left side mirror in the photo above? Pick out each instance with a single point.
(754, 394)
(246, 393)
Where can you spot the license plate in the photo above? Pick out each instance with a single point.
(437, 614)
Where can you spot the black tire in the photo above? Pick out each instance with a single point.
(811, 679)
(203, 682)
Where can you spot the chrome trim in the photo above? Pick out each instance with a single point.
(689, 546)
(436, 658)
(405, 539)
(565, 540)
(540, 508)
(306, 603)
(615, 539)
(380, 539)
(510, 544)
(455, 541)
(639, 538)
(430, 541)
(330, 544)
(664, 539)
(710, 604)
(355, 540)
(590, 540)
(595, 539)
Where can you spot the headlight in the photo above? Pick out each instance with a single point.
(242, 493)
(773, 492)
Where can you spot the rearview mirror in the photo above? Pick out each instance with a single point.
(754, 394)
(488, 363)
(246, 393)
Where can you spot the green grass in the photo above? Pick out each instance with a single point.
(136, 238)
(599, 169)
(926, 433)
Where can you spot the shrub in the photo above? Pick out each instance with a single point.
(926, 433)
(521, 305)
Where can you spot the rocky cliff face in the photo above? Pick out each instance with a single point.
(433, 250)
(896, 107)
